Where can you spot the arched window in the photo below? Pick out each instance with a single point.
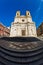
(28, 13)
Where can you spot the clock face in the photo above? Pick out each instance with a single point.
(23, 20)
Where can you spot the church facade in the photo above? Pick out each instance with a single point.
(23, 26)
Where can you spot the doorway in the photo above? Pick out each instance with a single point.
(23, 32)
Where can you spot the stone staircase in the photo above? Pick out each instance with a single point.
(12, 56)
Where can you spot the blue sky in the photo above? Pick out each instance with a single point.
(8, 10)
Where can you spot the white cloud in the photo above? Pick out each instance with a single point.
(38, 8)
(41, 0)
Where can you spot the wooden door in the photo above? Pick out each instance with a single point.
(23, 32)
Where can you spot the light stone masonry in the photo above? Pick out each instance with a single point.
(23, 26)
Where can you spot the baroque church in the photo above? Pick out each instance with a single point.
(23, 26)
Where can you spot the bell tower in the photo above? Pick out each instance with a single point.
(28, 13)
(17, 13)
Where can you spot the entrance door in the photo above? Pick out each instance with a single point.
(23, 32)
